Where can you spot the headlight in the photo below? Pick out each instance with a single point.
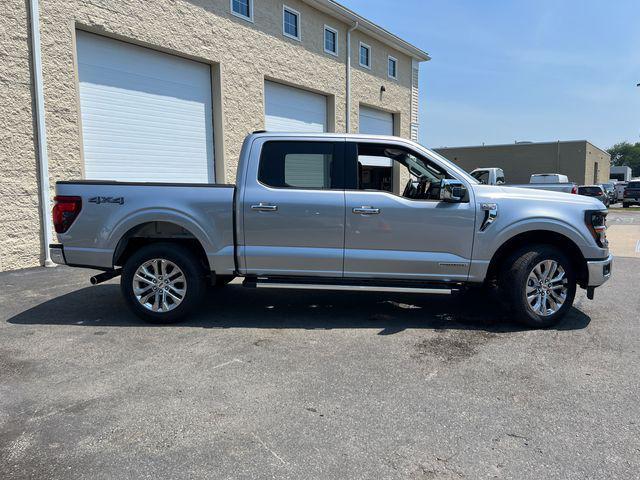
(597, 223)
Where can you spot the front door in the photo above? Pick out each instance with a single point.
(404, 232)
(294, 214)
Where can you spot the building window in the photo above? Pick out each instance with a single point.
(330, 40)
(393, 68)
(242, 9)
(365, 55)
(290, 23)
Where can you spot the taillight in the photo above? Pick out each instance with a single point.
(65, 211)
(597, 223)
(574, 190)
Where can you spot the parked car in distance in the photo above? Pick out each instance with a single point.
(548, 178)
(301, 216)
(631, 194)
(540, 181)
(620, 186)
(595, 191)
(610, 190)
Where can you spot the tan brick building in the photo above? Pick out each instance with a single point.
(167, 90)
(581, 161)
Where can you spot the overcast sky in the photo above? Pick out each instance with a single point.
(518, 70)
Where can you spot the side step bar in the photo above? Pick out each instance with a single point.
(393, 287)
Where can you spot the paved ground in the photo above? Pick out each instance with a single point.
(315, 385)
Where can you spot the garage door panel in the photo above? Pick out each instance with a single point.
(290, 109)
(375, 122)
(146, 115)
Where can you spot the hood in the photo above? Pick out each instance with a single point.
(495, 192)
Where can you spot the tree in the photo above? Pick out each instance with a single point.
(626, 154)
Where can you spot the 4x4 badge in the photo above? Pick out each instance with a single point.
(99, 200)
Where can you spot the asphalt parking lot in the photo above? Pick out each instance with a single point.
(310, 385)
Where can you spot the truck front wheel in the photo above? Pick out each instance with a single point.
(162, 282)
(539, 284)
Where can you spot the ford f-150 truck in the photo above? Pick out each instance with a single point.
(307, 212)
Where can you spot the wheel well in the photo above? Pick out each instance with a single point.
(539, 237)
(155, 232)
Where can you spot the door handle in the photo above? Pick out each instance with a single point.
(263, 207)
(366, 211)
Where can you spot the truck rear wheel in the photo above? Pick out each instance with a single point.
(539, 282)
(162, 282)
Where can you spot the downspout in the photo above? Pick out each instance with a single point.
(348, 101)
(43, 160)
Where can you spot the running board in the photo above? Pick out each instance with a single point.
(351, 287)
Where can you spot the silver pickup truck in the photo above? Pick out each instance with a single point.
(338, 212)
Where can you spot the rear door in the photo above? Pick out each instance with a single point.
(294, 213)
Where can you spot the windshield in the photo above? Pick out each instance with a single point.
(633, 185)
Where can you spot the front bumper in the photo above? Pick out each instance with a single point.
(599, 271)
(56, 253)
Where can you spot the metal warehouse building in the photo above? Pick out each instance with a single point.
(581, 161)
(166, 90)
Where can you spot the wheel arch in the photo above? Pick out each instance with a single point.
(539, 237)
(158, 231)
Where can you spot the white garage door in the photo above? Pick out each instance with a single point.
(375, 122)
(289, 109)
(146, 115)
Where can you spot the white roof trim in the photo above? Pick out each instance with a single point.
(343, 13)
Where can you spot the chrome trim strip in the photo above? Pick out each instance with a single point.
(355, 288)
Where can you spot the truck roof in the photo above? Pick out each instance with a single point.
(352, 136)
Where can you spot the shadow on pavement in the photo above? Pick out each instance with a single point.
(238, 307)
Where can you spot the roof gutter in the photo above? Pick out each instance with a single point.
(342, 13)
(41, 135)
(348, 87)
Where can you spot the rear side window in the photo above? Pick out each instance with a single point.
(305, 165)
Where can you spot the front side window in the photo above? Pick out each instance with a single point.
(242, 8)
(291, 23)
(330, 40)
(305, 165)
(419, 178)
(393, 68)
(365, 55)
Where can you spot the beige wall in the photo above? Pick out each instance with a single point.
(20, 240)
(603, 159)
(520, 161)
(242, 54)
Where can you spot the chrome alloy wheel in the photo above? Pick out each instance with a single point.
(159, 285)
(547, 288)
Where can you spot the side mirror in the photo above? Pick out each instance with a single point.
(452, 191)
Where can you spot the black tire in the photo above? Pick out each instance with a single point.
(513, 284)
(626, 205)
(194, 275)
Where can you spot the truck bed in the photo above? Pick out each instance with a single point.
(112, 211)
